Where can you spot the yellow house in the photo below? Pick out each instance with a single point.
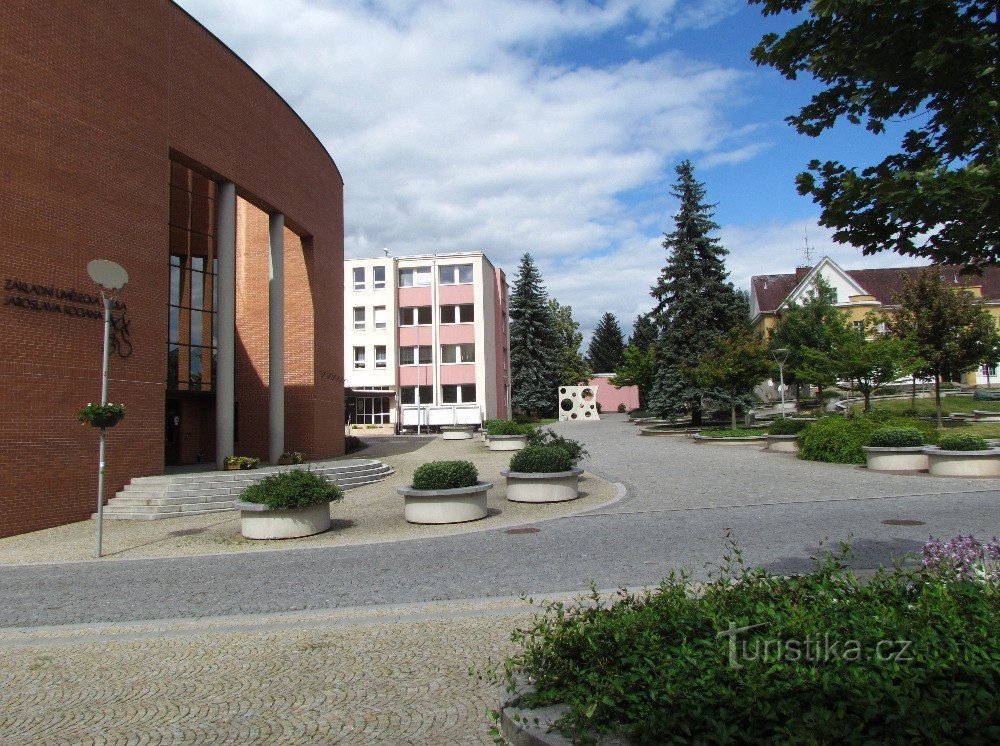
(860, 291)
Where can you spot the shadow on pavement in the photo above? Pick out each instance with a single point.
(864, 554)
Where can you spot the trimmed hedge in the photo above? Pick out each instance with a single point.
(733, 432)
(508, 427)
(962, 442)
(541, 460)
(787, 426)
(896, 437)
(297, 488)
(836, 440)
(445, 475)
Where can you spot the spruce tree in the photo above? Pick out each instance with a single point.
(534, 344)
(605, 350)
(695, 304)
(643, 332)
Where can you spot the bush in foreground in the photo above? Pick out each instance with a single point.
(787, 426)
(548, 437)
(297, 488)
(825, 657)
(541, 460)
(445, 475)
(896, 437)
(962, 442)
(836, 440)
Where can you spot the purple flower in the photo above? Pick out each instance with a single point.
(963, 558)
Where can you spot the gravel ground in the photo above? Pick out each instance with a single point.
(367, 515)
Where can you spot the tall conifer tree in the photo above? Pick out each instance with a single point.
(606, 346)
(534, 344)
(695, 303)
(643, 332)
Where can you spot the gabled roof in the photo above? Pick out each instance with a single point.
(770, 291)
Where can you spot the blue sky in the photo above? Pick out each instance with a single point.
(550, 126)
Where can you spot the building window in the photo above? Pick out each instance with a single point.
(359, 317)
(464, 393)
(415, 355)
(381, 319)
(359, 278)
(859, 326)
(408, 394)
(986, 370)
(458, 353)
(463, 314)
(455, 274)
(359, 358)
(371, 410)
(378, 278)
(380, 356)
(415, 316)
(414, 277)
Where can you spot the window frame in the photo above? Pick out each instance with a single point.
(363, 322)
(414, 273)
(364, 281)
(359, 361)
(385, 357)
(385, 317)
(378, 284)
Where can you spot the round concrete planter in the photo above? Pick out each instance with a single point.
(963, 463)
(985, 416)
(506, 442)
(456, 432)
(896, 459)
(783, 443)
(667, 431)
(445, 506)
(261, 522)
(547, 487)
(740, 441)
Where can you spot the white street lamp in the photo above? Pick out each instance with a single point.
(780, 356)
(112, 278)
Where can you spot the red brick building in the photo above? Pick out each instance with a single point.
(130, 133)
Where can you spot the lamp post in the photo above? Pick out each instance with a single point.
(112, 278)
(780, 356)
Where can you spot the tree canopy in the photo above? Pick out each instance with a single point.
(734, 364)
(643, 332)
(605, 349)
(535, 369)
(930, 63)
(574, 369)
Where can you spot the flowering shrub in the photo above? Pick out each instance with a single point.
(101, 415)
(244, 462)
(964, 558)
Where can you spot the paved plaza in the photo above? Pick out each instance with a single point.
(372, 641)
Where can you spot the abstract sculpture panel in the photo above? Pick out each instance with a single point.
(578, 403)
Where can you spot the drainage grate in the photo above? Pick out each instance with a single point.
(522, 530)
(902, 522)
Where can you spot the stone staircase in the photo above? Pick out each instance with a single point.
(174, 495)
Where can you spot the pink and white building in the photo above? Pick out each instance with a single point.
(426, 340)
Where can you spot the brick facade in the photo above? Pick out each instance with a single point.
(99, 98)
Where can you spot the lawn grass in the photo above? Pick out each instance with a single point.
(925, 407)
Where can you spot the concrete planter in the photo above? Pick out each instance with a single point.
(740, 441)
(445, 506)
(548, 487)
(667, 431)
(963, 463)
(783, 443)
(896, 459)
(506, 442)
(261, 522)
(985, 416)
(456, 432)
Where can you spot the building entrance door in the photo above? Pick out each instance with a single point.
(172, 433)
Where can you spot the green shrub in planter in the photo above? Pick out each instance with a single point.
(507, 427)
(621, 408)
(962, 442)
(445, 475)
(297, 488)
(787, 426)
(548, 437)
(896, 437)
(836, 440)
(732, 432)
(541, 460)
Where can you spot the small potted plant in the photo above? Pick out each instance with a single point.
(507, 435)
(238, 463)
(896, 449)
(101, 415)
(963, 455)
(783, 434)
(542, 474)
(445, 492)
(293, 457)
(287, 505)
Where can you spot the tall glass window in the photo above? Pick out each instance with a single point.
(192, 267)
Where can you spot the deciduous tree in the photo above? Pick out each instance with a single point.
(734, 364)
(574, 369)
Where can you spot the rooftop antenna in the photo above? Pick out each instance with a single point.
(385, 250)
(807, 250)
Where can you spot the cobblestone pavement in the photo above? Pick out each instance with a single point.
(385, 676)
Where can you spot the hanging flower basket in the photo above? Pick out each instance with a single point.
(101, 415)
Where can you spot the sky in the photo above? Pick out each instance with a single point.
(551, 127)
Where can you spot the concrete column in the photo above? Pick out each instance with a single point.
(225, 315)
(276, 336)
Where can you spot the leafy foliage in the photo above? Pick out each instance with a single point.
(869, 359)
(243, 462)
(574, 369)
(964, 558)
(644, 332)
(787, 426)
(734, 365)
(962, 442)
(836, 440)
(445, 475)
(733, 432)
(914, 659)
(508, 427)
(297, 488)
(541, 460)
(606, 346)
(535, 369)
(930, 62)
(695, 303)
(636, 369)
(101, 415)
(548, 437)
(896, 437)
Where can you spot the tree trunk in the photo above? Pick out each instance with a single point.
(867, 393)
(732, 412)
(913, 392)
(937, 398)
(696, 416)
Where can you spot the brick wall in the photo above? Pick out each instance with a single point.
(98, 97)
